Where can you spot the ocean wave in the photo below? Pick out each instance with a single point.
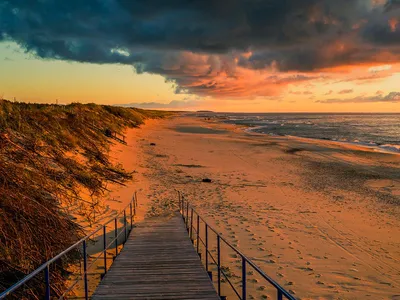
(391, 148)
(378, 131)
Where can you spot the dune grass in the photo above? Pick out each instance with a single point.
(49, 154)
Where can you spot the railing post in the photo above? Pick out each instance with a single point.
(116, 236)
(136, 202)
(47, 282)
(126, 234)
(244, 297)
(130, 207)
(187, 215)
(198, 232)
(219, 264)
(206, 231)
(280, 295)
(191, 225)
(134, 205)
(105, 247)
(85, 270)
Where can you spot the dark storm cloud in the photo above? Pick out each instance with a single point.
(89, 30)
(384, 29)
(152, 35)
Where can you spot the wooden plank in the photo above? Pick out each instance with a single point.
(157, 262)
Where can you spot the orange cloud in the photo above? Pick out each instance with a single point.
(393, 22)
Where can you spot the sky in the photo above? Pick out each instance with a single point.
(236, 55)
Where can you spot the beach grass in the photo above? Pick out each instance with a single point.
(49, 156)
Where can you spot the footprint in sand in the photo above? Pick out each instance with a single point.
(331, 286)
(307, 269)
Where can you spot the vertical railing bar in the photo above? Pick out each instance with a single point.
(126, 234)
(198, 232)
(280, 295)
(134, 205)
(105, 247)
(191, 224)
(244, 279)
(183, 212)
(116, 237)
(136, 200)
(85, 270)
(187, 215)
(219, 264)
(47, 281)
(130, 207)
(206, 232)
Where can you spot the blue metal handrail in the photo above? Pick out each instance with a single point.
(185, 207)
(83, 241)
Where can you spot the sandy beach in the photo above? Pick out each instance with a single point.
(321, 218)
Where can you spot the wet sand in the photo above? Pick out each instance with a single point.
(321, 218)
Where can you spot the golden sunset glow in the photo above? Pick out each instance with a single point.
(332, 60)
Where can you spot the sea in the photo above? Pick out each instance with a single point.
(381, 131)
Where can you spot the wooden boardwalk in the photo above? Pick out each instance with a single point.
(157, 262)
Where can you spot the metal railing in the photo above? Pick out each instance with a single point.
(81, 246)
(193, 222)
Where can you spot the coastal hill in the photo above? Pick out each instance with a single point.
(50, 155)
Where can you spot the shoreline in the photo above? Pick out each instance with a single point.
(310, 212)
(252, 124)
(374, 147)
